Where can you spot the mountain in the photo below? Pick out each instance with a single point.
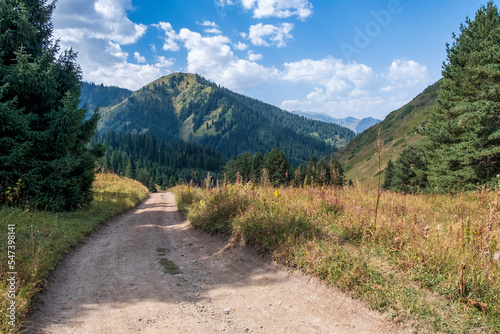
(101, 96)
(187, 107)
(366, 123)
(397, 131)
(355, 124)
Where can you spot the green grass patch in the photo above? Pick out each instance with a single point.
(43, 238)
(169, 267)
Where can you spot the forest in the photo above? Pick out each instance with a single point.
(189, 107)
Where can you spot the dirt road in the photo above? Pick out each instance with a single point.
(120, 281)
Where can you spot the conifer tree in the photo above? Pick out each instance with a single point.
(463, 135)
(389, 175)
(277, 166)
(43, 132)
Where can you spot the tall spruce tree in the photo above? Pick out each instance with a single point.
(43, 132)
(463, 135)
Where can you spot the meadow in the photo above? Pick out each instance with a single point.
(428, 260)
(42, 239)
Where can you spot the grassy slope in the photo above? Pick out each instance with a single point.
(408, 265)
(396, 131)
(42, 238)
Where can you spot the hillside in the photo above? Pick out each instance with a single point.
(355, 124)
(397, 131)
(188, 107)
(101, 96)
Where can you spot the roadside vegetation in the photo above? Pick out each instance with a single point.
(43, 238)
(429, 260)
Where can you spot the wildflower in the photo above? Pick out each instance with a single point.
(276, 193)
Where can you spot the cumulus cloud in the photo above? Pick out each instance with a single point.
(268, 34)
(139, 58)
(279, 8)
(170, 43)
(97, 30)
(162, 62)
(211, 56)
(408, 73)
(254, 56)
(126, 75)
(333, 74)
(241, 46)
(102, 19)
(211, 27)
(351, 89)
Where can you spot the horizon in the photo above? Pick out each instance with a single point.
(351, 59)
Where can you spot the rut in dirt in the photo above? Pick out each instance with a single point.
(150, 271)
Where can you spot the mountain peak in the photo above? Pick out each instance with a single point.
(189, 107)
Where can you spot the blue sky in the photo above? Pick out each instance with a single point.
(356, 58)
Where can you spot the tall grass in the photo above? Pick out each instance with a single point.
(43, 238)
(430, 261)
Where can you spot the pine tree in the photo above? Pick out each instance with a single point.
(43, 132)
(277, 166)
(463, 135)
(410, 171)
(389, 175)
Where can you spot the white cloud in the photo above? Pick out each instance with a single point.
(254, 56)
(102, 19)
(279, 8)
(162, 62)
(336, 76)
(268, 34)
(214, 31)
(139, 58)
(96, 30)
(170, 36)
(407, 73)
(241, 46)
(212, 57)
(126, 75)
(208, 24)
(351, 89)
(116, 51)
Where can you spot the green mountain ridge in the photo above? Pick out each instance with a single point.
(188, 107)
(397, 131)
(101, 96)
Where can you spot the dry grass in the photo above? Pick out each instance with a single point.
(429, 260)
(43, 238)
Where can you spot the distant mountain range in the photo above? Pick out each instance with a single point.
(188, 107)
(355, 124)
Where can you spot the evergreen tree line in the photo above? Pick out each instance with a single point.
(274, 168)
(461, 148)
(150, 161)
(44, 159)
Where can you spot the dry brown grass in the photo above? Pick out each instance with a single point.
(430, 257)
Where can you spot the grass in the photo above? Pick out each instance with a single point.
(408, 265)
(169, 267)
(43, 238)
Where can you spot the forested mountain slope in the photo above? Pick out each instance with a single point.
(188, 107)
(101, 96)
(397, 131)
